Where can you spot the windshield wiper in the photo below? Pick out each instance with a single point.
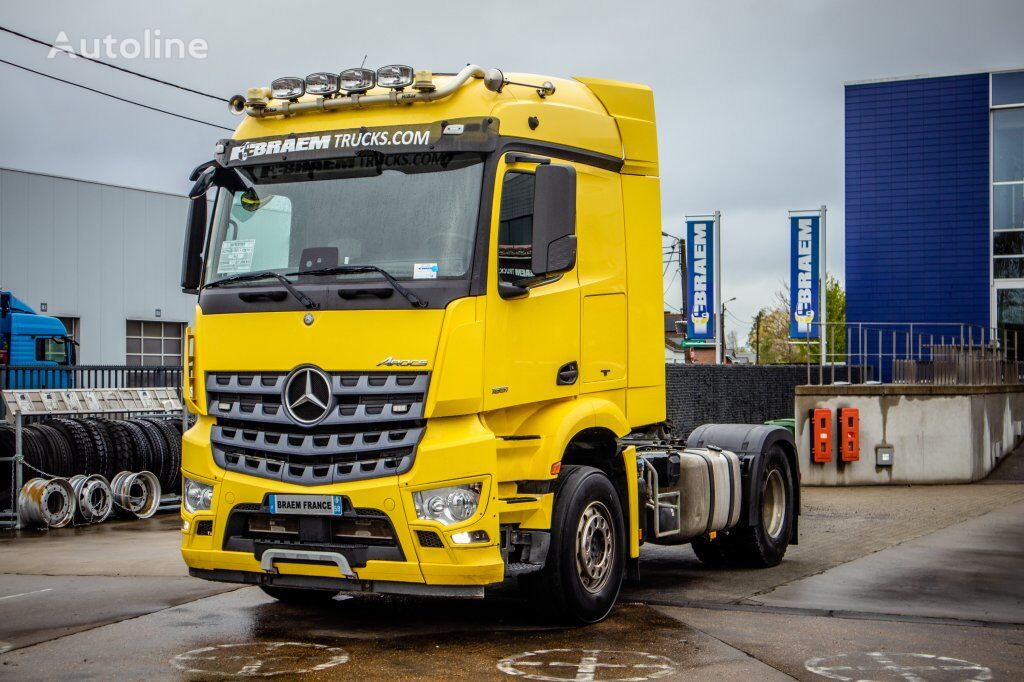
(415, 300)
(266, 274)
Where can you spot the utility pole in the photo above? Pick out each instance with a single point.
(757, 338)
(682, 278)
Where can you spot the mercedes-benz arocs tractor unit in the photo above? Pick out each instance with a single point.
(427, 352)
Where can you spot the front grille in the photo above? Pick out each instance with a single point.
(360, 534)
(373, 429)
(204, 528)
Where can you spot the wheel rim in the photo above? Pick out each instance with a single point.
(773, 504)
(595, 547)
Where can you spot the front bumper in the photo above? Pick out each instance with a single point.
(460, 450)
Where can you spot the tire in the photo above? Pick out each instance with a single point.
(577, 584)
(715, 553)
(298, 596)
(157, 449)
(86, 457)
(763, 543)
(172, 436)
(101, 444)
(139, 455)
(119, 454)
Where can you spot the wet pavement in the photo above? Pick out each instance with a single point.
(916, 583)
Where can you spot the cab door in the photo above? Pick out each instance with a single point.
(532, 341)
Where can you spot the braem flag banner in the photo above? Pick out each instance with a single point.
(804, 292)
(700, 279)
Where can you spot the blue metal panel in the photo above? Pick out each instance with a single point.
(917, 201)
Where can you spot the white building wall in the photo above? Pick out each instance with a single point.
(101, 253)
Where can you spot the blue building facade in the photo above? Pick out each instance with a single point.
(934, 210)
(918, 229)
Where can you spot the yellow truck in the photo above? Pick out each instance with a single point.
(427, 355)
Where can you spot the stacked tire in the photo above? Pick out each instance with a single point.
(63, 448)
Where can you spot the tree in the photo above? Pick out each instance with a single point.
(770, 334)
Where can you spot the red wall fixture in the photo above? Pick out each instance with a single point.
(821, 436)
(849, 434)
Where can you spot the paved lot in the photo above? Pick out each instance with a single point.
(887, 583)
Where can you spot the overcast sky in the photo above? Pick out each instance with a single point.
(749, 94)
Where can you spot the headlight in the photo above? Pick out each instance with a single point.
(196, 496)
(449, 505)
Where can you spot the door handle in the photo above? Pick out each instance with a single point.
(568, 374)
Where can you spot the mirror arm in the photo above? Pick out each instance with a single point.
(509, 290)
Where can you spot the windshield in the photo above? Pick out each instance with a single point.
(414, 215)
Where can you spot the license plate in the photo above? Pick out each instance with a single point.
(316, 505)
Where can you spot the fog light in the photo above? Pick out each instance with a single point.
(196, 496)
(449, 505)
(288, 88)
(322, 83)
(395, 76)
(356, 81)
(470, 537)
(185, 525)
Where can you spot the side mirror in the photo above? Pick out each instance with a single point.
(195, 234)
(192, 256)
(554, 220)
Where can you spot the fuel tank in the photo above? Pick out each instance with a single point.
(690, 493)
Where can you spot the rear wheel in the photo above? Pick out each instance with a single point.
(299, 596)
(712, 552)
(763, 543)
(586, 561)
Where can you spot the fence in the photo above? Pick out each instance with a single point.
(89, 376)
(936, 353)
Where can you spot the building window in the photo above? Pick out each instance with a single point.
(152, 344)
(1008, 176)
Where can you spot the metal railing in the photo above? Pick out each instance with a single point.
(89, 376)
(930, 353)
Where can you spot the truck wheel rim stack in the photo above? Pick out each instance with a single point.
(94, 496)
(773, 505)
(136, 494)
(595, 547)
(47, 502)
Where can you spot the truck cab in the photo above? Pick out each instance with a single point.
(427, 353)
(37, 344)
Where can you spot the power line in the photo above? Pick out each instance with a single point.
(112, 66)
(120, 99)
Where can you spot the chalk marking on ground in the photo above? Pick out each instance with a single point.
(587, 665)
(899, 667)
(260, 659)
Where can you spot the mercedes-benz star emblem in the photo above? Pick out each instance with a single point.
(307, 395)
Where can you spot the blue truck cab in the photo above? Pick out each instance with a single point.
(29, 340)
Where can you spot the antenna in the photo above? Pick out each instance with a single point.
(363, 65)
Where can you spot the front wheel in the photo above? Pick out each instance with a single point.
(586, 561)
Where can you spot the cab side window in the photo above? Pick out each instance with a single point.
(515, 227)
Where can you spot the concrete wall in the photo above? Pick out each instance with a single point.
(940, 434)
(101, 253)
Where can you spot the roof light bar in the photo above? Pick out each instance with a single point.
(322, 83)
(395, 76)
(357, 81)
(288, 87)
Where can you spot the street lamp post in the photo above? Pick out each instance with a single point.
(721, 332)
